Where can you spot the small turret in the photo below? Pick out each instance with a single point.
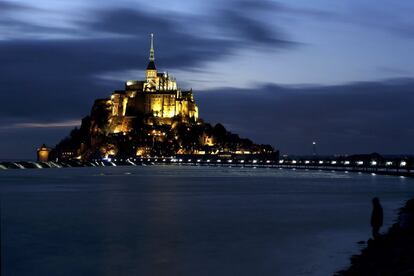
(43, 153)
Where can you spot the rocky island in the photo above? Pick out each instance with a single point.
(152, 117)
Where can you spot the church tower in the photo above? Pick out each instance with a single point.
(151, 72)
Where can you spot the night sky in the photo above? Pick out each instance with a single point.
(279, 72)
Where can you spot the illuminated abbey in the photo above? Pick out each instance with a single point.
(152, 117)
(158, 97)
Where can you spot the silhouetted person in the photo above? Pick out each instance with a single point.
(376, 217)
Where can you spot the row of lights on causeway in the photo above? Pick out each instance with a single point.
(372, 163)
(277, 163)
(191, 160)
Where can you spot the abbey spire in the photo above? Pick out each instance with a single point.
(151, 64)
(151, 57)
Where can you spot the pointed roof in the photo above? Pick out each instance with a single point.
(151, 66)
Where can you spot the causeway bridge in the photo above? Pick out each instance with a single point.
(390, 166)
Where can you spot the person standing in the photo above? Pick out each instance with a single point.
(377, 217)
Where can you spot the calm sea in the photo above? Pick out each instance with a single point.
(179, 220)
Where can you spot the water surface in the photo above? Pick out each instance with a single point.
(180, 220)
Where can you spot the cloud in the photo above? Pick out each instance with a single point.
(248, 22)
(51, 74)
(129, 21)
(344, 119)
(64, 124)
(393, 18)
(393, 70)
(6, 7)
(53, 78)
(16, 23)
(349, 118)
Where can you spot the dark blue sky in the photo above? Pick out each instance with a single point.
(279, 72)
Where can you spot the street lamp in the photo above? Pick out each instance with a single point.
(314, 148)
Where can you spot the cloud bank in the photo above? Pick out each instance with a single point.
(52, 65)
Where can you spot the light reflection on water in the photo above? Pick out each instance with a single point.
(181, 220)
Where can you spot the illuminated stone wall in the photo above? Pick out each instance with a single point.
(157, 96)
(161, 105)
